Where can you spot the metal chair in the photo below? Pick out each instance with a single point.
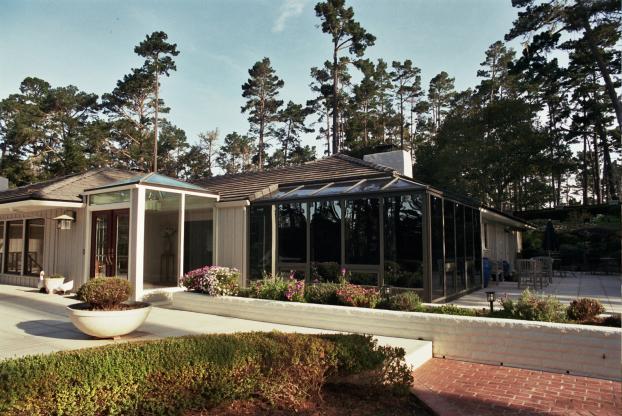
(525, 270)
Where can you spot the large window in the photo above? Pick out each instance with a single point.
(292, 229)
(403, 241)
(477, 239)
(438, 275)
(260, 235)
(460, 247)
(362, 231)
(469, 251)
(161, 238)
(198, 233)
(105, 198)
(325, 226)
(450, 248)
(14, 246)
(34, 246)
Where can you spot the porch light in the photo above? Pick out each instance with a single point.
(490, 297)
(63, 222)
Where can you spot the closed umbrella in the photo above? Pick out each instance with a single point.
(550, 242)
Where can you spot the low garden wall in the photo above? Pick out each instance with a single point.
(576, 349)
(27, 281)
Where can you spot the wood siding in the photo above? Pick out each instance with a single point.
(231, 232)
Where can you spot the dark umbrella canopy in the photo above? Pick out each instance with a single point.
(550, 242)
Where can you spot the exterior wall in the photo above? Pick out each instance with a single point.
(503, 243)
(578, 349)
(63, 250)
(231, 238)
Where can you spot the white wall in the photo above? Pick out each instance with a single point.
(578, 349)
(231, 233)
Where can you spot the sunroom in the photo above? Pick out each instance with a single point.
(390, 232)
(149, 229)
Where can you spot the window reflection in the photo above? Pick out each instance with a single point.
(362, 230)
(325, 217)
(260, 241)
(292, 229)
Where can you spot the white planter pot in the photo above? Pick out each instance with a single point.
(108, 324)
(53, 285)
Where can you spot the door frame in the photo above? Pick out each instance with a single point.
(112, 215)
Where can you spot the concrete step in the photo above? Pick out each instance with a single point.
(417, 351)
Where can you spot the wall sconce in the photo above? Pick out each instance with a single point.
(63, 222)
(490, 297)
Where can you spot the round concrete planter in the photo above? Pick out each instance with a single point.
(53, 284)
(107, 324)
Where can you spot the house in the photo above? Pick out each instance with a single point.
(367, 217)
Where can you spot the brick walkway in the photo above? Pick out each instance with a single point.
(457, 388)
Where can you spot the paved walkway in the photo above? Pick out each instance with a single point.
(457, 388)
(605, 288)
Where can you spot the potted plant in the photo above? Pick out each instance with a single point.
(106, 312)
(53, 283)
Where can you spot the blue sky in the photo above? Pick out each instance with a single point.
(90, 44)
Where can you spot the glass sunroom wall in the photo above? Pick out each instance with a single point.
(469, 246)
(161, 239)
(362, 240)
(198, 233)
(450, 247)
(477, 254)
(403, 241)
(292, 238)
(461, 280)
(437, 247)
(325, 218)
(260, 241)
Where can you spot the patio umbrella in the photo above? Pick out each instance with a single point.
(550, 242)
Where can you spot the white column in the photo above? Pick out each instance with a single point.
(137, 237)
(180, 240)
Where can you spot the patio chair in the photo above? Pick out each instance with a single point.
(525, 270)
(543, 269)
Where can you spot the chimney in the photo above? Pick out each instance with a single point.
(398, 160)
(4, 184)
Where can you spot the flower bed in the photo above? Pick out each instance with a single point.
(174, 375)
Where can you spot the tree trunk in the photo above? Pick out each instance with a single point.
(401, 123)
(585, 178)
(608, 173)
(155, 126)
(335, 101)
(596, 168)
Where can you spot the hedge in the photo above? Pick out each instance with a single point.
(174, 375)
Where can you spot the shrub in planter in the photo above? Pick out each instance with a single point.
(323, 293)
(405, 301)
(295, 291)
(450, 310)
(178, 375)
(584, 309)
(325, 271)
(355, 295)
(271, 287)
(105, 293)
(532, 307)
(212, 280)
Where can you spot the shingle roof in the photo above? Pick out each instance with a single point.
(65, 188)
(337, 167)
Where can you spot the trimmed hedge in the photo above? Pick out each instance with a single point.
(173, 375)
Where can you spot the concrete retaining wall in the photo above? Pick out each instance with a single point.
(576, 349)
(27, 281)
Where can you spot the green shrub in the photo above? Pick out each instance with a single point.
(325, 271)
(451, 310)
(213, 280)
(105, 293)
(405, 301)
(270, 287)
(584, 309)
(532, 307)
(355, 295)
(245, 292)
(322, 293)
(175, 375)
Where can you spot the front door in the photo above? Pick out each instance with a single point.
(110, 234)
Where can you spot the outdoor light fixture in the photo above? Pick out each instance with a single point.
(386, 290)
(63, 222)
(490, 297)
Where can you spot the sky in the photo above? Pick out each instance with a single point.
(89, 44)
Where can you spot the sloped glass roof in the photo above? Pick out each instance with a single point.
(340, 189)
(154, 179)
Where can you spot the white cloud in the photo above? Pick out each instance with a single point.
(289, 8)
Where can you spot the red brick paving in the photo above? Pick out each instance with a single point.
(458, 388)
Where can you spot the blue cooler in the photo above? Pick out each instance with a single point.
(487, 269)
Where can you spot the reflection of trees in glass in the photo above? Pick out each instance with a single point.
(326, 232)
(260, 241)
(438, 275)
(362, 231)
(450, 248)
(292, 226)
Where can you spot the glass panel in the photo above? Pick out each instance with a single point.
(460, 247)
(289, 272)
(101, 245)
(260, 234)
(401, 184)
(122, 244)
(477, 239)
(468, 235)
(325, 240)
(369, 186)
(110, 198)
(364, 278)
(304, 191)
(198, 233)
(161, 238)
(292, 229)
(15, 245)
(281, 192)
(34, 246)
(403, 241)
(362, 230)
(438, 275)
(1, 242)
(450, 248)
(337, 188)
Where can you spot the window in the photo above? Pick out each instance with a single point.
(477, 240)
(438, 275)
(469, 246)
(403, 241)
(198, 233)
(15, 246)
(260, 237)
(1, 242)
(325, 226)
(34, 246)
(362, 231)
(110, 198)
(460, 247)
(450, 248)
(161, 238)
(486, 236)
(292, 229)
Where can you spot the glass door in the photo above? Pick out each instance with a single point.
(110, 243)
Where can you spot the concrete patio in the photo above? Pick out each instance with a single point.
(605, 288)
(36, 323)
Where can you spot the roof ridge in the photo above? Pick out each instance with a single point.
(75, 177)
